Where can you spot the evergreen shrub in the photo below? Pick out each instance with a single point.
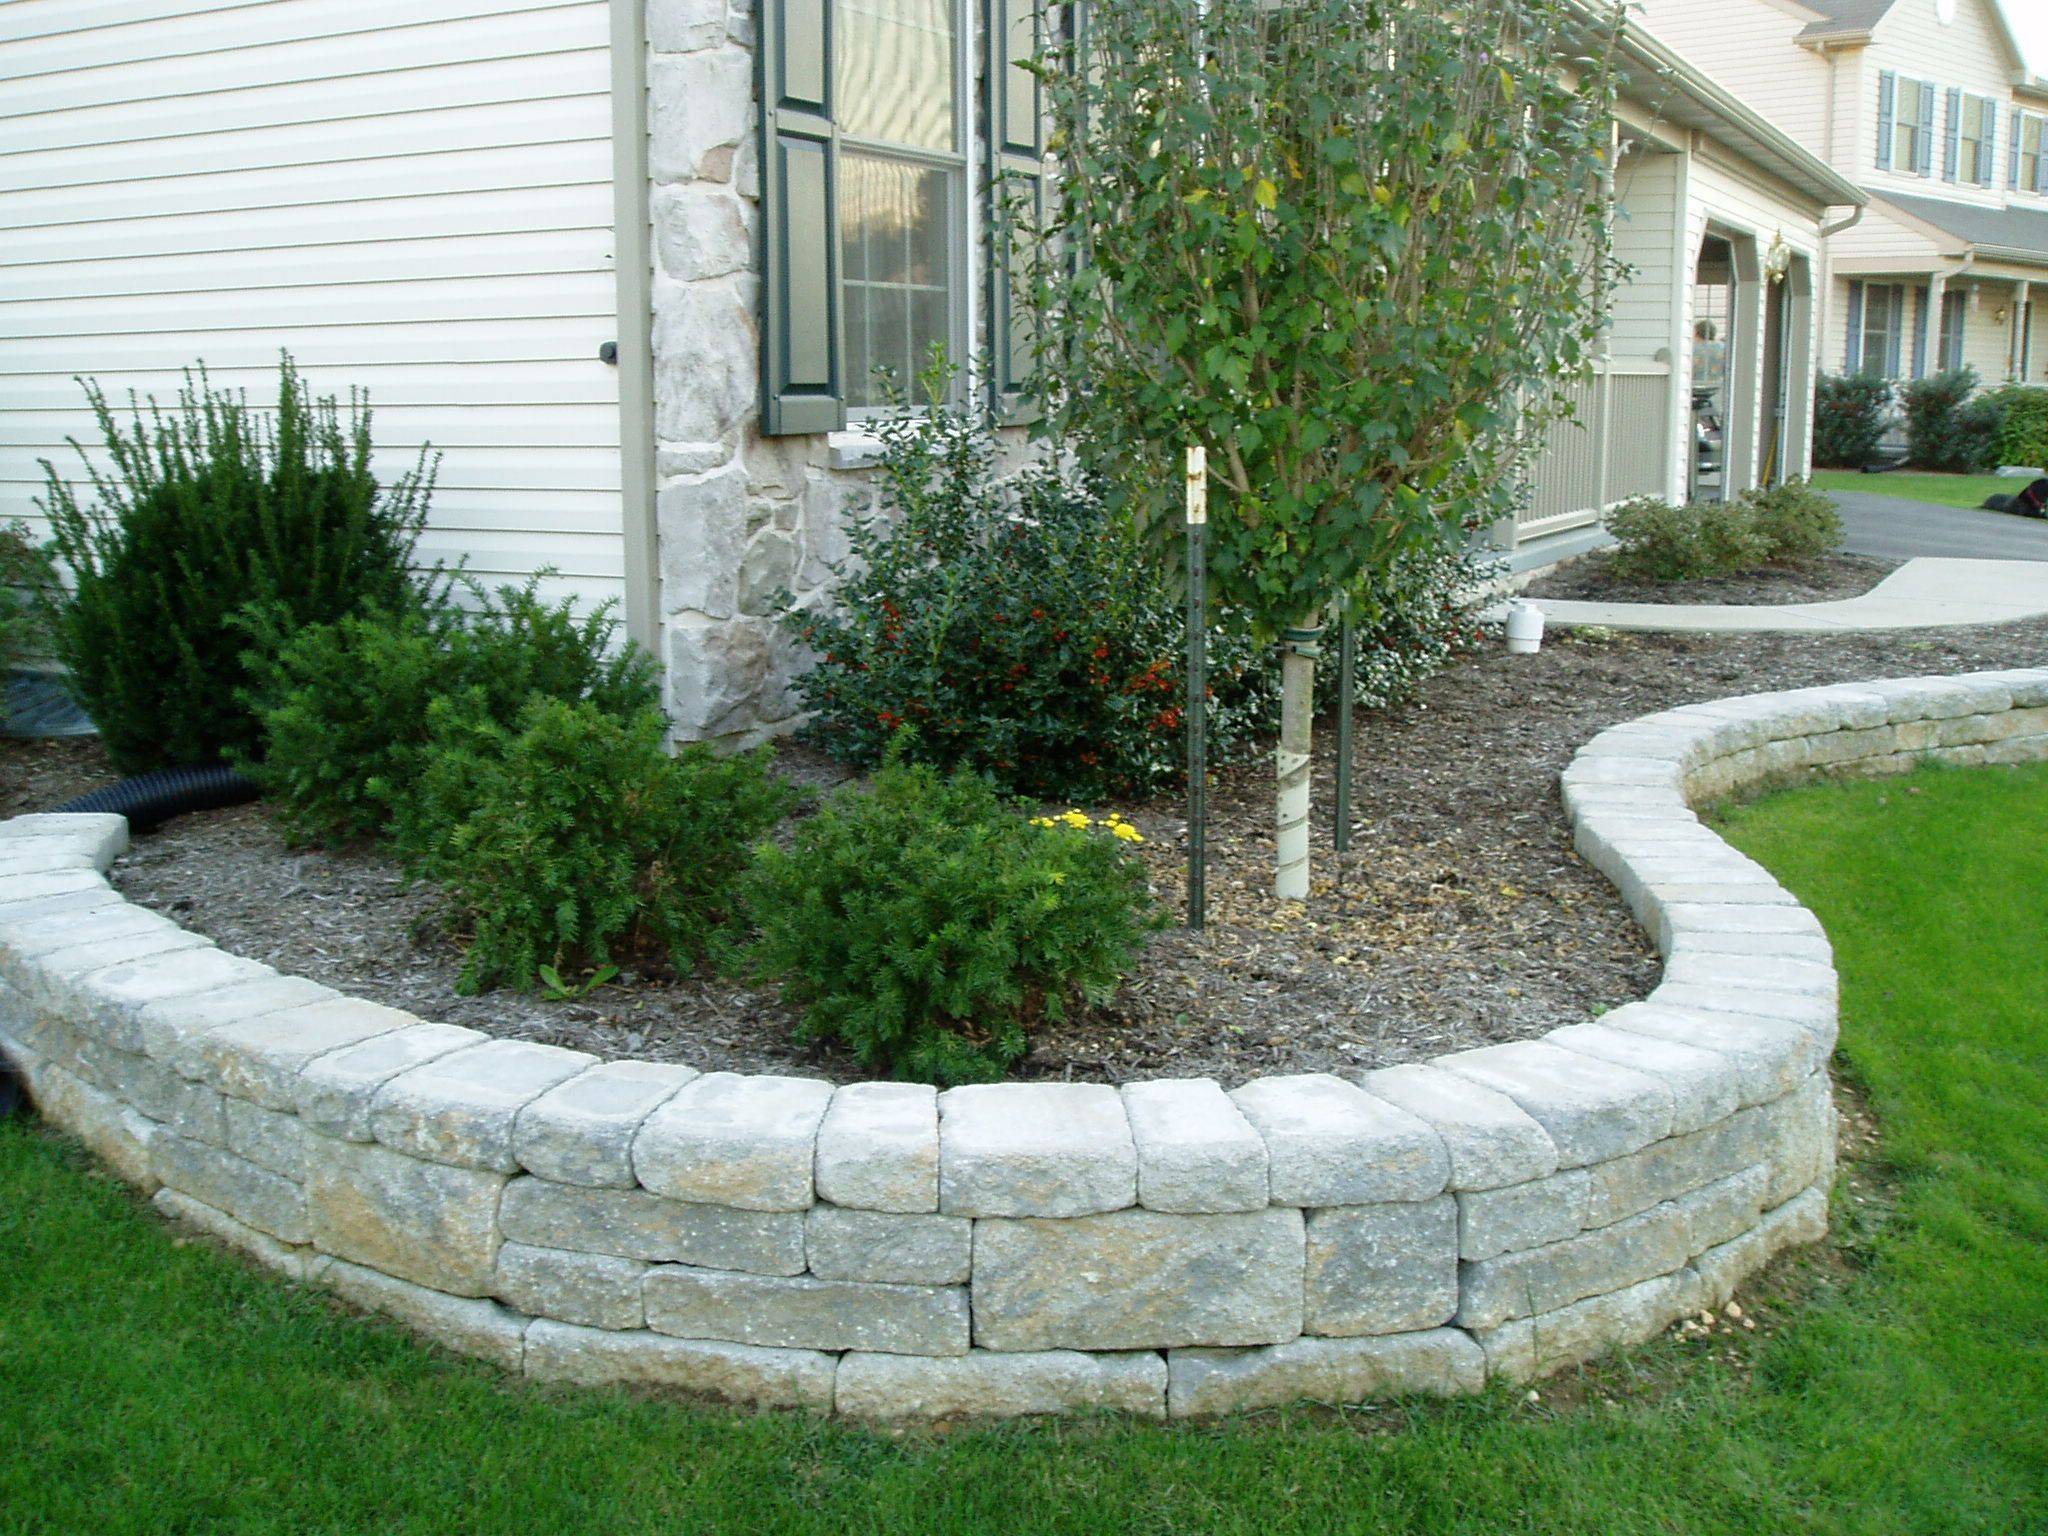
(1851, 414)
(1948, 431)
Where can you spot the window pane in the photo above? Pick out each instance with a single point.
(899, 306)
(896, 71)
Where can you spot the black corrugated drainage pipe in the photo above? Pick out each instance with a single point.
(150, 799)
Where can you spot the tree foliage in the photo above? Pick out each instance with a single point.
(1350, 246)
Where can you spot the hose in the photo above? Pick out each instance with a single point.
(149, 800)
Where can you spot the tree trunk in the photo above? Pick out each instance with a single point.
(1297, 718)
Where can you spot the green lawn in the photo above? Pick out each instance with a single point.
(148, 1385)
(1940, 490)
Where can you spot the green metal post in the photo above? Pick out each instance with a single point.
(1198, 686)
(1347, 667)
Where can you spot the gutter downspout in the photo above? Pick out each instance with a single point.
(633, 278)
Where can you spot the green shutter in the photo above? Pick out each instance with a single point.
(1017, 192)
(801, 352)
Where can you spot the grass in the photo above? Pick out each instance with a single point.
(151, 1385)
(1937, 490)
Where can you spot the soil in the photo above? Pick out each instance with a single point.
(1460, 916)
(1822, 580)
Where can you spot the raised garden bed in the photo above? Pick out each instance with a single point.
(1827, 579)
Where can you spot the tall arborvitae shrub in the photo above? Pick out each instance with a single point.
(209, 509)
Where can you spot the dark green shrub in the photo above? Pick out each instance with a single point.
(926, 925)
(26, 583)
(1851, 414)
(1795, 521)
(572, 839)
(209, 509)
(1014, 627)
(2023, 426)
(1947, 431)
(344, 706)
(1657, 541)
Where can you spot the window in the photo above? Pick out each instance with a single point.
(2030, 153)
(1976, 131)
(1877, 334)
(1949, 352)
(1905, 125)
(901, 192)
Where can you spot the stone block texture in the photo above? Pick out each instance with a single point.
(884, 1251)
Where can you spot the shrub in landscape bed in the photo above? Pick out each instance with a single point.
(1946, 430)
(925, 924)
(1661, 542)
(211, 508)
(1795, 521)
(571, 839)
(25, 586)
(2023, 425)
(343, 706)
(1015, 627)
(1851, 414)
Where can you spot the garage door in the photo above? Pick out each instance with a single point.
(411, 196)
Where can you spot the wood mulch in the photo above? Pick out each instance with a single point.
(1460, 917)
(1822, 580)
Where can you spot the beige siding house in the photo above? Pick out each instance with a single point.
(1929, 106)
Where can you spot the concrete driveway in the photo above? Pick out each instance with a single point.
(1891, 529)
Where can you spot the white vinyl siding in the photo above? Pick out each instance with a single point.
(412, 196)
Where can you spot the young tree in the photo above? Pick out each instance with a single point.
(1352, 247)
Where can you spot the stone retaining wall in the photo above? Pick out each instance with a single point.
(884, 1250)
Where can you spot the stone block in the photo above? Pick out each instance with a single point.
(730, 1139)
(699, 104)
(117, 1135)
(1721, 1211)
(1939, 698)
(254, 1196)
(188, 1108)
(334, 1093)
(582, 1131)
(1704, 1087)
(705, 371)
(595, 1290)
(701, 231)
(282, 1258)
(1532, 1347)
(429, 1223)
(703, 534)
(1138, 1279)
(1539, 1280)
(1798, 1138)
(476, 1327)
(716, 671)
(115, 998)
(1441, 1362)
(782, 1312)
(1797, 975)
(987, 1384)
(171, 1027)
(730, 1373)
(1382, 1268)
(684, 26)
(461, 1108)
(1196, 1150)
(102, 836)
(266, 1137)
(1593, 1110)
(260, 1058)
(55, 979)
(1723, 1268)
(1490, 1139)
(1548, 1210)
(1770, 1057)
(878, 1148)
(1035, 1149)
(887, 1247)
(1676, 1166)
(631, 1223)
(1331, 1143)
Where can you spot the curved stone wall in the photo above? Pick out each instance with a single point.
(885, 1250)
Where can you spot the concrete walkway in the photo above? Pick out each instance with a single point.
(1921, 594)
(1891, 528)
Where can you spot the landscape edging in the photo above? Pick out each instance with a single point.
(883, 1250)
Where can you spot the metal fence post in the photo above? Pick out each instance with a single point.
(1347, 669)
(1198, 685)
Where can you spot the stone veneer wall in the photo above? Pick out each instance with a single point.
(884, 1250)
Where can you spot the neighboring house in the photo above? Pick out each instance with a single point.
(1929, 106)
(637, 315)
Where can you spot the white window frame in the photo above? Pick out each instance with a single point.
(1976, 157)
(1907, 136)
(1894, 295)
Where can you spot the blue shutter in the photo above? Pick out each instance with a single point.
(1894, 351)
(1952, 154)
(1017, 192)
(2012, 170)
(1986, 175)
(1852, 360)
(1923, 136)
(2041, 167)
(802, 351)
(1888, 119)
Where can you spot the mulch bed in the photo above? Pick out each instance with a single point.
(1822, 580)
(1460, 917)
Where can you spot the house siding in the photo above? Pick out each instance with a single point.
(411, 196)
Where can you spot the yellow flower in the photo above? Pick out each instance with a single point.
(1127, 832)
(1075, 819)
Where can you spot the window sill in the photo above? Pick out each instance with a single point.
(853, 449)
